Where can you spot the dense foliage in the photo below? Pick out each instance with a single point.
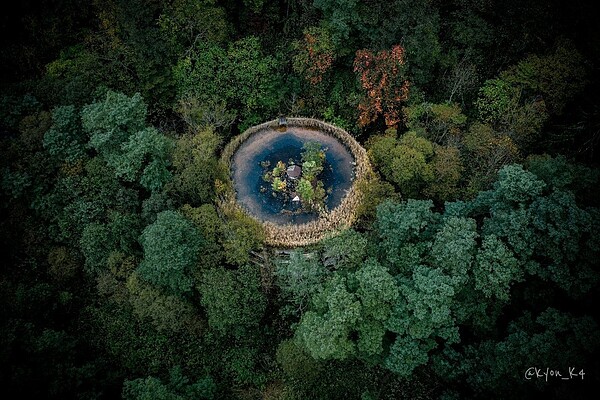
(297, 184)
(474, 257)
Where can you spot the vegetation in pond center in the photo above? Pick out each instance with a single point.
(296, 183)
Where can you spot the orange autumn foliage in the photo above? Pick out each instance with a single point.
(320, 59)
(382, 77)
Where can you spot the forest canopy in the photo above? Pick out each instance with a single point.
(473, 259)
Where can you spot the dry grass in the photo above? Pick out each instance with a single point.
(341, 217)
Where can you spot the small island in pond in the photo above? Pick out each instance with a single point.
(297, 183)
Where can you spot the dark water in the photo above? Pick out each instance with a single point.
(335, 177)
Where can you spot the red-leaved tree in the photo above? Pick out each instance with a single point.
(381, 75)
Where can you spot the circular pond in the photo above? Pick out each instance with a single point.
(301, 184)
(267, 147)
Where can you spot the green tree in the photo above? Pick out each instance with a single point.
(65, 140)
(345, 251)
(232, 299)
(453, 248)
(202, 73)
(241, 75)
(341, 17)
(241, 364)
(515, 185)
(298, 366)
(419, 167)
(441, 269)
(153, 205)
(99, 240)
(148, 388)
(441, 123)
(404, 162)
(210, 225)
(403, 230)
(562, 174)
(306, 191)
(131, 40)
(255, 79)
(178, 387)
(528, 216)
(144, 145)
(423, 313)
(378, 292)
(374, 192)
(325, 333)
(83, 194)
(487, 151)
(186, 22)
(407, 354)
(200, 116)
(418, 22)
(240, 235)
(95, 246)
(360, 303)
(503, 105)
(117, 131)
(63, 264)
(74, 75)
(313, 157)
(552, 338)
(447, 167)
(112, 121)
(125, 229)
(171, 249)
(166, 312)
(196, 168)
(299, 278)
(558, 75)
(496, 268)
